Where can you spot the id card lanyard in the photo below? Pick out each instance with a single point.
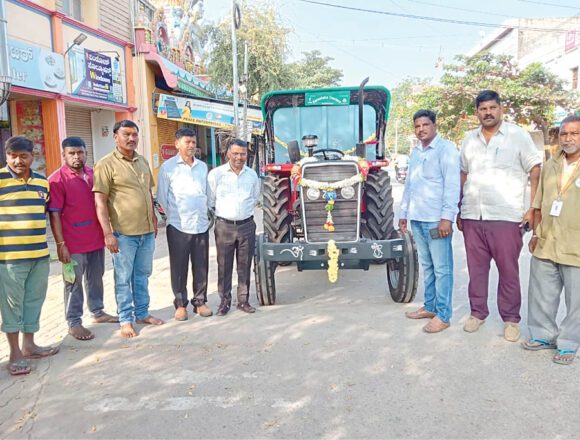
(558, 203)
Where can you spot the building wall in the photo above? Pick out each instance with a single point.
(102, 122)
(115, 18)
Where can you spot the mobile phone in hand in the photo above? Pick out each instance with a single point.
(434, 233)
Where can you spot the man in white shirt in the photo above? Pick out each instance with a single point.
(182, 192)
(233, 191)
(496, 160)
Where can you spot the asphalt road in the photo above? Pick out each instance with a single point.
(328, 361)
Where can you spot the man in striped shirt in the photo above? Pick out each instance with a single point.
(24, 254)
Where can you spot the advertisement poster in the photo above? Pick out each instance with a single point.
(95, 76)
(209, 114)
(29, 124)
(35, 67)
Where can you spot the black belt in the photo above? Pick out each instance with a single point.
(236, 222)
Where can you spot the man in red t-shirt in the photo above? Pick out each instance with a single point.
(78, 235)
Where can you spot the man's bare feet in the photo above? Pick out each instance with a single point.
(81, 333)
(127, 331)
(150, 320)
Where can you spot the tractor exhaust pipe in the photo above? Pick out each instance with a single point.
(361, 147)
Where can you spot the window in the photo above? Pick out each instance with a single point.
(72, 8)
(575, 78)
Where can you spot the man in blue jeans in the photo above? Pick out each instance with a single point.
(122, 187)
(430, 202)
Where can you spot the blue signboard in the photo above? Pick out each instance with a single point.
(95, 76)
(36, 67)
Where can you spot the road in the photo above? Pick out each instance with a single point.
(328, 361)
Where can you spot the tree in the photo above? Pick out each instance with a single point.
(267, 51)
(529, 96)
(314, 71)
(268, 68)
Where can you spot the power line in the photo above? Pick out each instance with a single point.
(551, 4)
(461, 9)
(441, 20)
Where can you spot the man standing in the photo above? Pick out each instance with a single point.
(74, 223)
(122, 187)
(430, 202)
(233, 191)
(496, 159)
(182, 192)
(556, 251)
(23, 253)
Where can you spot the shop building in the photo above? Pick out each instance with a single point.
(170, 85)
(71, 72)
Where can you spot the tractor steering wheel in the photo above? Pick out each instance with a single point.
(328, 150)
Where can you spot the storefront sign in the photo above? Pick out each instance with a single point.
(95, 76)
(36, 67)
(209, 114)
(167, 151)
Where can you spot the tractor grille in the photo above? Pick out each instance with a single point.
(346, 213)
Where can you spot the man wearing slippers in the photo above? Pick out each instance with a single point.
(78, 235)
(555, 246)
(23, 254)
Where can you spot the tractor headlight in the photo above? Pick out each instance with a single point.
(313, 194)
(347, 192)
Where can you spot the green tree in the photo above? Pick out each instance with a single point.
(529, 96)
(314, 71)
(267, 51)
(268, 68)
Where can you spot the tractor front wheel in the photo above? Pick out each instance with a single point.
(403, 273)
(264, 275)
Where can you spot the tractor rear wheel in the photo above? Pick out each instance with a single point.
(276, 206)
(403, 273)
(379, 214)
(264, 275)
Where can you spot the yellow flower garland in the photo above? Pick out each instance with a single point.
(333, 253)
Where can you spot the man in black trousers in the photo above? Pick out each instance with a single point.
(182, 192)
(233, 191)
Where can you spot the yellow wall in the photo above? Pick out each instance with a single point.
(29, 26)
(48, 4)
(90, 13)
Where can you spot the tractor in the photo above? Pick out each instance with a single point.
(327, 197)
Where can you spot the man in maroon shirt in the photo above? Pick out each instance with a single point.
(78, 235)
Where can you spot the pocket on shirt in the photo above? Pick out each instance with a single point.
(505, 157)
(432, 171)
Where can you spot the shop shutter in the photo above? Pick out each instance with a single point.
(166, 133)
(78, 123)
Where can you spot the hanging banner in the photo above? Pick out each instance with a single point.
(95, 76)
(208, 114)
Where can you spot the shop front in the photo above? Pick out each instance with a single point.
(68, 79)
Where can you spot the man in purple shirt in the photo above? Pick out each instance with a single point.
(78, 235)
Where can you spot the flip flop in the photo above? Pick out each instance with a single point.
(20, 367)
(559, 357)
(538, 344)
(42, 352)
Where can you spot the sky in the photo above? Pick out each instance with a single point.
(389, 49)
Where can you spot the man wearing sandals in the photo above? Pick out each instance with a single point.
(555, 246)
(78, 235)
(24, 262)
(430, 203)
(122, 187)
(496, 160)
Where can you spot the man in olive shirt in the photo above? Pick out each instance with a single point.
(556, 251)
(122, 187)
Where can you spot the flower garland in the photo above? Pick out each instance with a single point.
(329, 188)
(333, 253)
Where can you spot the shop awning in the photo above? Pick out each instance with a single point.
(206, 113)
